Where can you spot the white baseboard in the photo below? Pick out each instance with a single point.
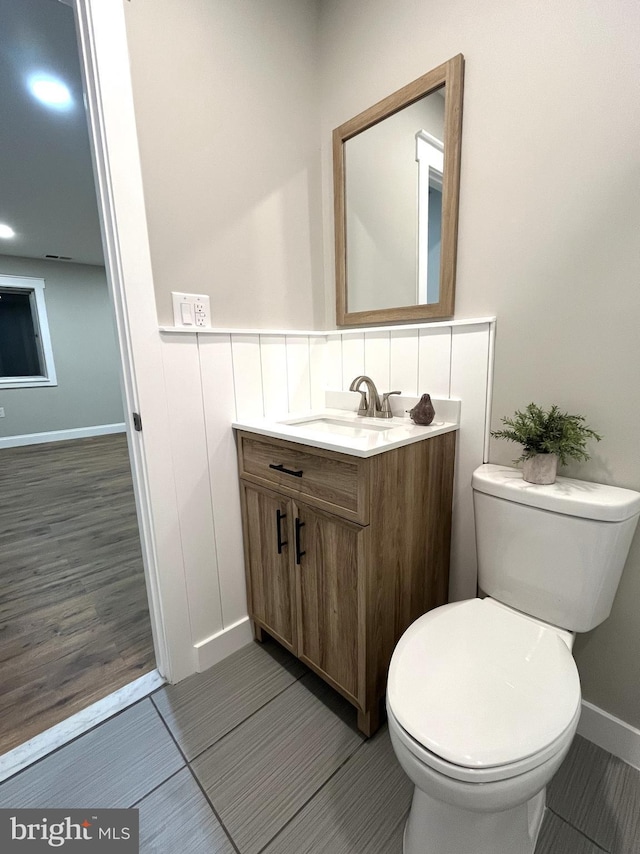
(219, 646)
(61, 435)
(610, 733)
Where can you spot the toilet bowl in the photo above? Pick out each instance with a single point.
(483, 703)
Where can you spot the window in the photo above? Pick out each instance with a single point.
(26, 357)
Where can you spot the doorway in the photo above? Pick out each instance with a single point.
(74, 605)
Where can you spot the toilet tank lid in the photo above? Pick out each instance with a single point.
(567, 495)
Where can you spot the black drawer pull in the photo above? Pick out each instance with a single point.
(281, 468)
(279, 517)
(299, 553)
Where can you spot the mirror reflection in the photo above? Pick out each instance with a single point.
(393, 207)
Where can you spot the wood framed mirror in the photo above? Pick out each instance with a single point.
(396, 180)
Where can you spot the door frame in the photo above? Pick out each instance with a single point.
(104, 60)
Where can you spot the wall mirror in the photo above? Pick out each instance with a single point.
(396, 174)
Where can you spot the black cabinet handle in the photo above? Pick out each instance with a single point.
(281, 468)
(279, 517)
(299, 552)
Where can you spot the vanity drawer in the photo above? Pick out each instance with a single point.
(332, 481)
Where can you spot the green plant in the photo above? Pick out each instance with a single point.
(552, 432)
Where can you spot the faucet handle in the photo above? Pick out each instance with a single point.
(385, 408)
(364, 404)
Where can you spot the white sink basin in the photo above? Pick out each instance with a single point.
(348, 433)
(339, 426)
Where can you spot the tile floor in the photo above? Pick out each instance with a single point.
(258, 755)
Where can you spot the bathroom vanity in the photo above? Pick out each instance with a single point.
(344, 550)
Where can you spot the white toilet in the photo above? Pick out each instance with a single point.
(483, 696)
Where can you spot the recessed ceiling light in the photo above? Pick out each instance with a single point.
(50, 91)
(6, 231)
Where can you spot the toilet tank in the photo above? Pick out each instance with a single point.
(554, 552)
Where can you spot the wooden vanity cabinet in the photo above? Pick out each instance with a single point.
(342, 553)
(270, 580)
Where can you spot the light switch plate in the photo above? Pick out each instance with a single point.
(191, 310)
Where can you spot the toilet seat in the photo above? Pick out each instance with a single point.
(492, 773)
(482, 692)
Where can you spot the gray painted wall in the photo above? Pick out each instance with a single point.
(84, 348)
(226, 110)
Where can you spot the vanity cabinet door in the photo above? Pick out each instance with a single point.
(268, 545)
(329, 554)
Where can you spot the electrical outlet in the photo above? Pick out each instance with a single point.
(201, 312)
(1, 411)
(191, 310)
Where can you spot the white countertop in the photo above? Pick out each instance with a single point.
(346, 432)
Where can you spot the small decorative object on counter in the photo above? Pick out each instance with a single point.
(423, 412)
(548, 438)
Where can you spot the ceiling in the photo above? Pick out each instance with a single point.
(47, 192)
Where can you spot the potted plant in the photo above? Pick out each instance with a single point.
(546, 437)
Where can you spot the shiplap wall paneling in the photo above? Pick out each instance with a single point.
(275, 390)
(352, 358)
(298, 378)
(434, 361)
(333, 362)
(377, 359)
(218, 398)
(404, 362)
(469, 376)
(191, 467)
(318, 370)
(247, 375)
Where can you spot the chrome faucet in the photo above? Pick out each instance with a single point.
(372, 406)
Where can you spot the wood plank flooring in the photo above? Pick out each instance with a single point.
(74, 619)
(257, 756)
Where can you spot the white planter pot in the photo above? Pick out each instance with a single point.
(540, 469)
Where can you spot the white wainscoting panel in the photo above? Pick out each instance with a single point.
(445, 360)
(218, 399)
(275, 392)
(317, 370)
(404, 362)
(193, 492)
(215, 377)
(434, 362)
(352, 358)
(247, 375)
(298, 379)
(377, 359)
(469, 375)
(333, 362)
